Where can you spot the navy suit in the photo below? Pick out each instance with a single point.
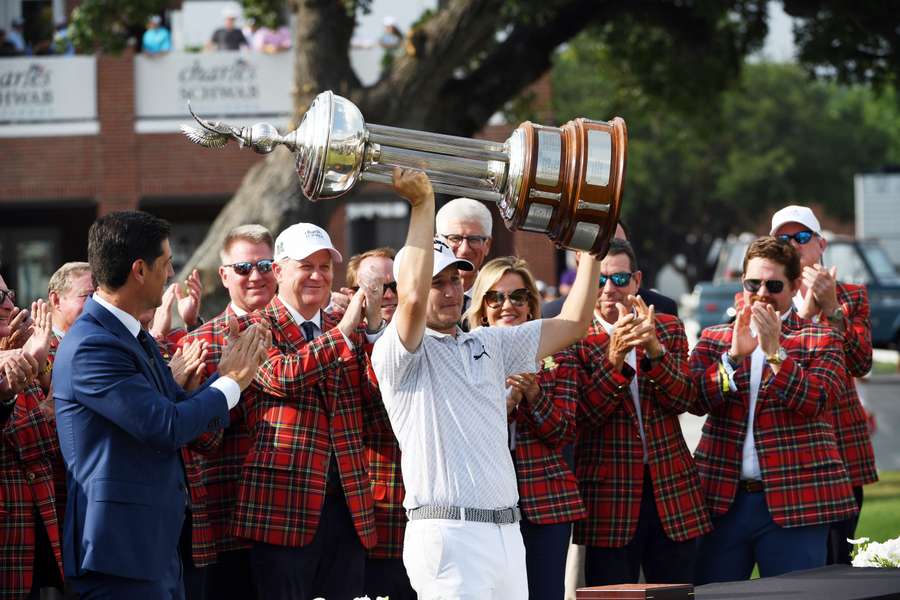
(122, 420)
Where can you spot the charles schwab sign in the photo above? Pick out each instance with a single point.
(47, 90)
(222, 83)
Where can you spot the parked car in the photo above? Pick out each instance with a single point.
(857, 260)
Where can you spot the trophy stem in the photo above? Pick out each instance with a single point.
(436, 143)
(379, 176)
(441, 163)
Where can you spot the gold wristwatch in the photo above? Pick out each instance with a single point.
(777, 358)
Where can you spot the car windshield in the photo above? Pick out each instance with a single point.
(851, 268)
(881, 264)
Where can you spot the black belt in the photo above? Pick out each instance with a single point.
(751, 486)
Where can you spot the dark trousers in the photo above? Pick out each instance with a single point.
(546, 548)
(747, 535)
(230, 577)
(663, 559)
(332, 565)
(838, 546)
(100, 586)
(194, 577)
(387, 577)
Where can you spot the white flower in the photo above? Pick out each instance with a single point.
(876, 554)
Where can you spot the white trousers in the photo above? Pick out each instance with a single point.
(462, 560)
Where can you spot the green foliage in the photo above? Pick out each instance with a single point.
(721, 164)
(108, 24)
(266, 13)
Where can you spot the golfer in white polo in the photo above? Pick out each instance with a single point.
(444, 390)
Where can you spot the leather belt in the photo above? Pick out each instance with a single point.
(751, 486)
(500, 516)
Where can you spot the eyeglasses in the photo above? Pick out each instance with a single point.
(263, 265)
(618, 279)
(775, 286)
(390, 285)
(475, 241)
(4, 294)
(801, 237)
(518, 298)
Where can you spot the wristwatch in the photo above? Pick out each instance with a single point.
(837, 316)
(776, 358)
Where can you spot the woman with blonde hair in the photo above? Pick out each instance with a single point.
(540, 424)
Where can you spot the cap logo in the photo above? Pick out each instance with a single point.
(314, 234)
(439, 246)
(279, 247)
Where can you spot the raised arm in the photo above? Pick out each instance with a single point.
(417, 259)
(575, 317)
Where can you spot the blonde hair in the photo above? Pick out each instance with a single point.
(252, 233)
(61, 281)
(489, 275)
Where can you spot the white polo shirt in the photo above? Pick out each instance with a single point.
(447, 406)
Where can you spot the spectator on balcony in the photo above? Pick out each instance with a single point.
(228, 37)
(157, 39)
(62, 40)
(16, 37)
(271, 41)
(6, 47)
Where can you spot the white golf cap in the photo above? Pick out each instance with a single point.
(302, 239)
(795, 214)
(443, 258)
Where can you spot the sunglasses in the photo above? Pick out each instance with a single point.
(775, 286)
(618, 279)
(391, 285)
(518, 298)
(801, 237)
(4, 294)
(263, 265)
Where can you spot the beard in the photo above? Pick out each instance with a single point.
(763, 299)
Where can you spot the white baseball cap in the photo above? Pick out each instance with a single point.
(796, 214)
(302, 239)
(443, 258)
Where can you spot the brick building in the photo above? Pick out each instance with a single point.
(82, 136)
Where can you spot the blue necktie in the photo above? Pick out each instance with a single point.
(309, 330)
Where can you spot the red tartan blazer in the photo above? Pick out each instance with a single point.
(203, 551)
(29, 460)
(608, 452)
(220, 467)
(383, 456)
(848, 415)
(803, 475)
(548, 491)
(313, 397)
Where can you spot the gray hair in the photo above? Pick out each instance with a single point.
(61, 281)
(464, 209)
(253, 233)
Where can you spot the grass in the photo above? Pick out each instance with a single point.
(880, 517)
(883, 368)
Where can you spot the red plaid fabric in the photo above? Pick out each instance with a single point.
(312, 397)
(203, 550)
(29, 459)
(849, 417)
(383, 455)
(548, 491)
(609, 454)
(220, 467)
(803, 475)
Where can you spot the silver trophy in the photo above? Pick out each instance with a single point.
(565, 182)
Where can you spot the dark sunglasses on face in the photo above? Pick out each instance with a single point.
(618, 279)
(264, 265)
(391, 285)
(801, 237)
(518, 298)
(775, 286)
(4, 294)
